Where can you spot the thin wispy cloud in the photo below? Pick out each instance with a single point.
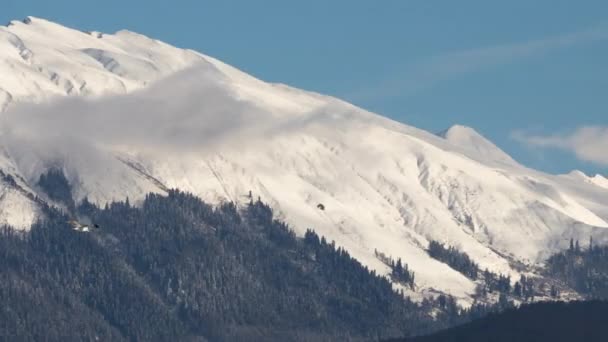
(416, 77)
(588, 143)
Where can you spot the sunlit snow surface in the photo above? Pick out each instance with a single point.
(157, 117)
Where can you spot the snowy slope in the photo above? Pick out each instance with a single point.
(475, 145)
(158, 117)
(40, 59)
(597, 180)
(600, 181)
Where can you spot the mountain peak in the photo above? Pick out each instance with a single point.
(30, 20)
(578, 173)
(461, 133)
(597, 180)
(454, 129)
(475, 145)
(600, 181)
(42, 59)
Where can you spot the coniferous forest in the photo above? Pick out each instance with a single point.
(454, 258)
(584, 270)
(175, 266)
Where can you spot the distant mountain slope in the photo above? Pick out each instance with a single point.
(475, 145)
(598, 179)
(149, 117)
(179, 269)
(542, 322)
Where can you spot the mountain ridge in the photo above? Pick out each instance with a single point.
(202, 126)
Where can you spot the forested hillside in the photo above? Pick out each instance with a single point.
(584, 270)
(176, 266)
(541, 322)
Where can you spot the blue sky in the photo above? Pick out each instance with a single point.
(530, 75)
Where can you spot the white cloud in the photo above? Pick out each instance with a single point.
(588, 143)
(192, 112)
(419, 76)
(189, 111)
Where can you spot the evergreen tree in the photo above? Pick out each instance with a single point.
(459, 261)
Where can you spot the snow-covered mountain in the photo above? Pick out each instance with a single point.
(475, 145)
(124, 115)
(597, 180)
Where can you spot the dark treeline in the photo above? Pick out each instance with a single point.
(461, 262)
(57, 187)
(584, 270)
(457, 260)
(490, 282)
(400, 271)
(402, 274)
(496, 282)
(540, 322)
(177, 267)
